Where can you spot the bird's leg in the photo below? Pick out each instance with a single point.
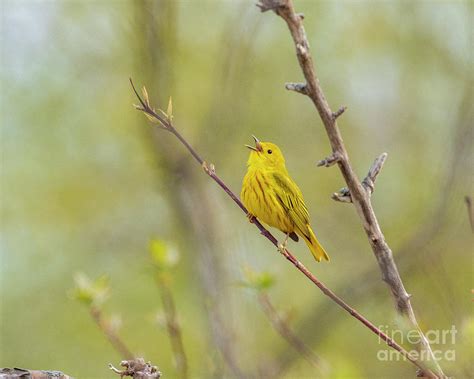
(282, 246)
(251, 217)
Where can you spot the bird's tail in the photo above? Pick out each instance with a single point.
(316, 249)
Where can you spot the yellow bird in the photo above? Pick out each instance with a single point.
(273, 197)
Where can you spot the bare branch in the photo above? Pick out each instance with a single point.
(285, 252)
(329, 161)
(358, 192)
(369, 181)
(173, 327)
(344, 195)
(111, 335)
(339, 112)
(282, 327)
(297, 87)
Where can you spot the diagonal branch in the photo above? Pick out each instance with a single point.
(173, 327)
(111, 335)
(358, 192)
(167, 124)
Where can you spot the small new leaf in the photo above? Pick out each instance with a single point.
(169, 111)
(91, 292)
(164, 255)
(145, 96)
(259, 281)
(152, 118)
(163, 113)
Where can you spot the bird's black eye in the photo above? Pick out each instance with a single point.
(269, 151)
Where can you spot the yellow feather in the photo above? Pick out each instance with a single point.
(269, 193)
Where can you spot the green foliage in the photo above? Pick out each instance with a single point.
(90, 292)
(259, 281)
(164, 255)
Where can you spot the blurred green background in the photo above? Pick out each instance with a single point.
(86, 182)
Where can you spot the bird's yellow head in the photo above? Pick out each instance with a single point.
(265, 154)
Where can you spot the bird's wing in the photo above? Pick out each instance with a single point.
(291, 199)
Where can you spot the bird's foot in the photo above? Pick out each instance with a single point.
(282, 247)
(209, 168)
(251, 217)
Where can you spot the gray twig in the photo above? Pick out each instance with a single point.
(339, 112)
(173, 327)
(282, 327)
(297, 87)
(369, 180)
(344, 195)
(329, 161)
(110, 333)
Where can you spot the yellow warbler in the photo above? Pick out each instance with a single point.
(273, 197)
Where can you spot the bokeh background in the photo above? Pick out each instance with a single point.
(86, 182)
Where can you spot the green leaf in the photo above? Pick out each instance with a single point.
(259, 281)
(169, 111)
(90, 292)
(164, 255)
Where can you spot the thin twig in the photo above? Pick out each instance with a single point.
(329, 161)
(369, 181)
(359, 195)
(173, 327)
(111, 335)
(297, 87)
(210, 170)
(339, 112)
(344, 195)
(282, 327)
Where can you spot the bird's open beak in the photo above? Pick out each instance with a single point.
(258, 146)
